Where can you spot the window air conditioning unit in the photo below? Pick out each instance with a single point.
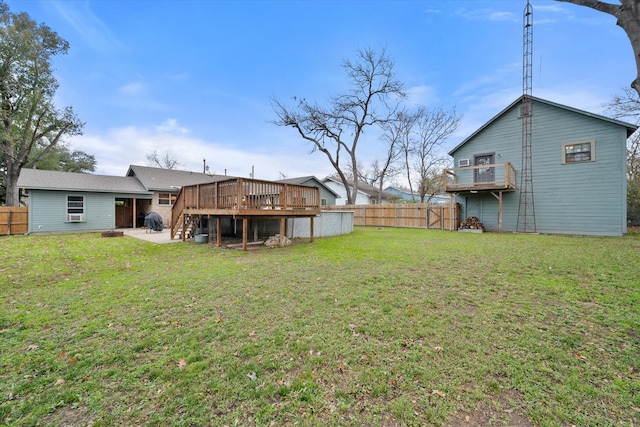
(463, 162)
(75, 217)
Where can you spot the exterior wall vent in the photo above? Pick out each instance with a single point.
(463, 162)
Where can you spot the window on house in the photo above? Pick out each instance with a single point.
(580, 151)
(323, 202)
(166, 198)
(75, 208)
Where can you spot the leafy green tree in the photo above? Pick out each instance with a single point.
(30, 124)
(61, 158)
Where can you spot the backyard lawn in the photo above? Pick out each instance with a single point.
(383, 327)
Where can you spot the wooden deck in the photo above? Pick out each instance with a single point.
(245, 199)
(484, 178)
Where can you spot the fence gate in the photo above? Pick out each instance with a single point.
(434, 217)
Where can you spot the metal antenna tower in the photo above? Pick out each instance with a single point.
(526, 209)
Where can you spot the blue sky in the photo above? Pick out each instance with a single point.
(195, 78)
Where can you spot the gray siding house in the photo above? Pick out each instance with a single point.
(578, 169)
(327, 195)
(73, 202)
(367, 193)
(70, 202)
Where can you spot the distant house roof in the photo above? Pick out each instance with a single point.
(70, 181)
(365, 188)
(630, 127)
(304, 180)
(169, 180)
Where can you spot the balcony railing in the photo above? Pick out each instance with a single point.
(239, 196)
(498, 177)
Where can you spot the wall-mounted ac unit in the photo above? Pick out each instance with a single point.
(75, 217)
(463, 163)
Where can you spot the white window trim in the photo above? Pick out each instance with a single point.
(172, 198)
(593, 151)
(78, 216)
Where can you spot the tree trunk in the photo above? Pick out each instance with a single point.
(13, 194)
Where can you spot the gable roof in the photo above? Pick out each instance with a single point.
(169, 180)
(303, 180)
(365, 188)
(630, 127)
(72, 181)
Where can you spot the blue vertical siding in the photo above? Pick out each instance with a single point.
(48, 211)
(586, 198)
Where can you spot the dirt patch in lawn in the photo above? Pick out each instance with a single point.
(69, 416)
(504, 410)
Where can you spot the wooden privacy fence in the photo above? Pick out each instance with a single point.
(14, 220)
(410, 215)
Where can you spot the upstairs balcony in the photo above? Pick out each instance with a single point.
(488, 177)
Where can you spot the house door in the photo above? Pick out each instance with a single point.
(486, 173)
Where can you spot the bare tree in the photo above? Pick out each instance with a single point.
(433, 128)
(382, 170)
(627, 14)
(167, 161)
(338, 128)
(422, 134)
(402, 129)
(627, 106)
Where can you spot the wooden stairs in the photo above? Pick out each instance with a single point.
(191, 222)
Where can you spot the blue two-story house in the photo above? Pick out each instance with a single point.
(577, 163)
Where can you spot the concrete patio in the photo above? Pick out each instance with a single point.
(159, 237)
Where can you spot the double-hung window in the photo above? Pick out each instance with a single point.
(579, 151)
(75, 208)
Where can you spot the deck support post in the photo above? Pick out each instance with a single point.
(254, 225)
(499, 197)
(245, 227)
(184, 227)
(283, 227)
(210, 228)
(135, 213)
(218, 231)
(311, 230)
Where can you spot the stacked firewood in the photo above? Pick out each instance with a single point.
(471, 223)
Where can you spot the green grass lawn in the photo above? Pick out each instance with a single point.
(381, 327)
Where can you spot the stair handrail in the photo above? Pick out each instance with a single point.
(176, 212)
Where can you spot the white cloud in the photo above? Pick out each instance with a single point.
(90, 27)
(134, 88)
(491, 81)
(422, 95)
(502, 16)
(118, 148)
(485, 14)
(171, 126)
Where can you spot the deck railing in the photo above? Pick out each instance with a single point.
(499, 176)
(239, 195)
